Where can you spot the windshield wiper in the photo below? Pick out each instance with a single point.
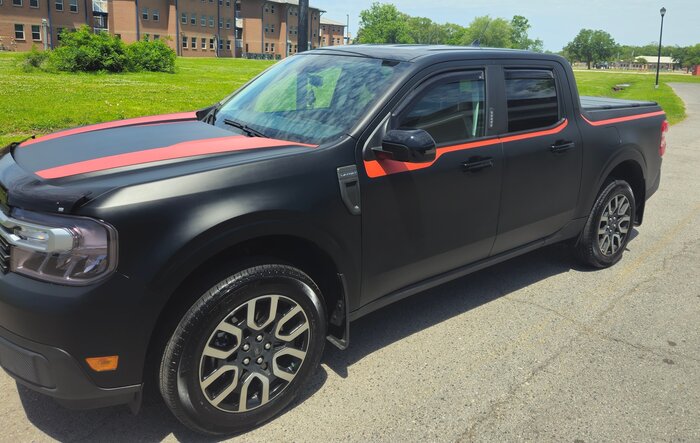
(250, 132)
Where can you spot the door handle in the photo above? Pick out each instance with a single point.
(477, 164)
(561, 147)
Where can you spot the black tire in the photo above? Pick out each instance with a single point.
(592, 249)
(226, 305)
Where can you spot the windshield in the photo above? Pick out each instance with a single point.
(310, 98)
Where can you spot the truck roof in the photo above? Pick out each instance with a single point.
(408, 53)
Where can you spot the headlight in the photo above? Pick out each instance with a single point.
(59, 248)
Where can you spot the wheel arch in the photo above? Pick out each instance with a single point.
(627, 165)
(316, 256)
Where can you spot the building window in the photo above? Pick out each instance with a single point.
(36, 32)
(156, 15)
(267, 47)
(211, 44)
(16, 2)
(272, 9)
(204, 43)
(156, 37)
(59, 5)
(194, 43)
(228, 45)
(238, 6)
(228, 2)
(144, 13)
(203, 20)
(33, 3)
(221, 23)
(184, 42)
(272, 47)
(228, 24)
(272, 27)
(73, 5)
(183, 18)
(221, 2)
(19, 32)
(211, 21)
(221, 45)
(59, 31)
(193, 19)
(267, 8)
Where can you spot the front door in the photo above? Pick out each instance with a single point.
(423, 219)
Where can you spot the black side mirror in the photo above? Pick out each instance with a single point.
(410, 145)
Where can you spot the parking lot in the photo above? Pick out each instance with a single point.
(536, 348)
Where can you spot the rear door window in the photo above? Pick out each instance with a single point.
(532, 99)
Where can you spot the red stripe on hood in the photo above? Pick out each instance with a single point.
(179, 150)
(114, 124)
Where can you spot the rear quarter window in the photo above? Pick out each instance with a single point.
(532, 100)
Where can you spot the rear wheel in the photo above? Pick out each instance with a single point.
(607, 230)
(244, 350)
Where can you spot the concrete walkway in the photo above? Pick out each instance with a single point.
(532, 349)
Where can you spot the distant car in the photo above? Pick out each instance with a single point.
(211, 254)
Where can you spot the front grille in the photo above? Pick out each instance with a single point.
(4, 255)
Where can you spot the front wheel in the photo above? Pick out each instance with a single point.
(607, 230)
(244, 350)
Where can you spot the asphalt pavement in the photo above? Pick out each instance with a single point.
(536, 348)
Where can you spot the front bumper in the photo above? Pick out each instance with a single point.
(52, 371)
(47, 331)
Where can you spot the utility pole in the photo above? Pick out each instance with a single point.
(303, 36)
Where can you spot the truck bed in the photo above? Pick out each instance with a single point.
(605, 103)
(603, 108)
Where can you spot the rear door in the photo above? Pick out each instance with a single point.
(423, 219)
(543, 154)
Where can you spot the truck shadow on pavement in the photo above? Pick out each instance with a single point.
(368, 335)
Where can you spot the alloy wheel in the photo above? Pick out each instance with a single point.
(254, 353)
(614, 224)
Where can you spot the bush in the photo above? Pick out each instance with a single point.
(85, 51)
(153, 56)
(35, 59)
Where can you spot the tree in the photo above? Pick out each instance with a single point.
(383, 23)
(424, 31)
(591, 47)
(487, 31)
(519, 27)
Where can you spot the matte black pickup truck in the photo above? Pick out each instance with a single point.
(210, 255)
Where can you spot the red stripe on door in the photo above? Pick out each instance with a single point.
(622, 119)
(380, 168)
(165, 118)
(179, 150)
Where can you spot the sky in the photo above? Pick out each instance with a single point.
(630, 22)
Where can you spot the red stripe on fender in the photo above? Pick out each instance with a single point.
(179, 150)
(622, 119)
(380, 168)
(165, 118)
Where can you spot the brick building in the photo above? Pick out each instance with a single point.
(194, 28)
(332, 32)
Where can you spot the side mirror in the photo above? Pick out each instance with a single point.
(410, 146)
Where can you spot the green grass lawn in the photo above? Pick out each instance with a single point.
(38, 103)
(641, 87)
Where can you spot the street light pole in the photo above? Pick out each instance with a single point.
(658, 60)
(303, 35)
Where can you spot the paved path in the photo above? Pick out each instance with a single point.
(532, 349)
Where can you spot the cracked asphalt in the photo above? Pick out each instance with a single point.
(532, 349)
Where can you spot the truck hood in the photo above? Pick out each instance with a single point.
(72, 166)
